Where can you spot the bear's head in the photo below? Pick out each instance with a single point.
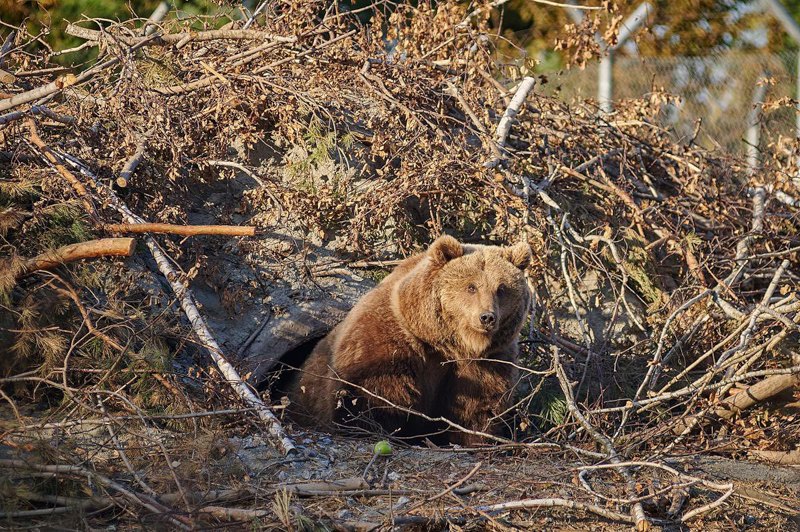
(472, 297)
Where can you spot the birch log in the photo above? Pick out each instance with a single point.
(39, 92)
(186, 299)
(207, 339)
(131, 164)
(184, 296)
(504, 127)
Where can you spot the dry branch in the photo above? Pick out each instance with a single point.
(104, 247)
(174, 38)
(239, 514)
(75, 183)
(36, 110)
(778, 457)
(186, 299)
(761, 391)
(325, 487)
(504, 127)
(638, 516)
(182, 230)
(558, 503)
(207, 339)
(130, 165)
(59, 84)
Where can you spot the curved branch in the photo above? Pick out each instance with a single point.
(104, 247)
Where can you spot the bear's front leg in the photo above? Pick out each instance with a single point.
(481, 394)
(381, 396)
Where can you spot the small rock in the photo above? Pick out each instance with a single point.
(401, 502)
(393, 476)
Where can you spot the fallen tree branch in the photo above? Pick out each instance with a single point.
(137, 498)
(557, 503)
(59, 84)
(238, 514)
(638, 517)
(174, 38)
(504, 127)
(183, 230)
(104, 247)
(778, 457)
(36, 110)
(186, 299)
(76, 185)
(130, 166)
(727, 488)
(761, 391)
(315, 488)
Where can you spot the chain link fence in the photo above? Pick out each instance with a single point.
(716, 89)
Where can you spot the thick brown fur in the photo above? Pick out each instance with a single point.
(418, 341)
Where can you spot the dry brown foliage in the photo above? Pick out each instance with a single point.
(666, 277)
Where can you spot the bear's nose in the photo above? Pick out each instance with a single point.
(487, 319)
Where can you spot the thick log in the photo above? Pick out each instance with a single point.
(104, 247)
(779, 457)
(761, 391)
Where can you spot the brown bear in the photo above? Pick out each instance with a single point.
(437, 337)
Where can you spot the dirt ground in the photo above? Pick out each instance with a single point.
(331, 484)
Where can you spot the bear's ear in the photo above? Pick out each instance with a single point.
(444, 249)
(519, 255)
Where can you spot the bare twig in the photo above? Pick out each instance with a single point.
(136, 498)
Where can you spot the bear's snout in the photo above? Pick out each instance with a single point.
(488, 319)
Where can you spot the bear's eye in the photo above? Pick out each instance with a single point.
(472, 289)
(501, 290)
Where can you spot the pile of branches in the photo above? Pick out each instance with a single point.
(666, 282)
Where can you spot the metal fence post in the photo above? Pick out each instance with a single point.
(791, 27)
(605, 82)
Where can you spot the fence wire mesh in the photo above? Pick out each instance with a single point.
(716, 89)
